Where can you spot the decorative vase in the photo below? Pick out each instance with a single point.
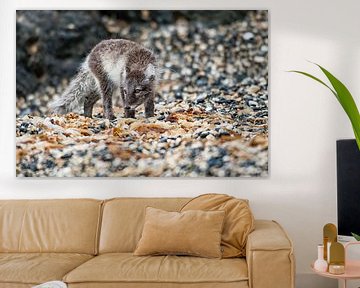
(320, 264)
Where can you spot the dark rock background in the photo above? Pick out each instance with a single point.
(51, 44)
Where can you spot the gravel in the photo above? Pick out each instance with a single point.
(211, 112)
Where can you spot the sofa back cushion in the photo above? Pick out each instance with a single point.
(66, 226)
(238, 224)
(123, 220)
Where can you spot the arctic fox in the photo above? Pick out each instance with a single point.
(112, 66)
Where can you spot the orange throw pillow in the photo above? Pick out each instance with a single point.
(238, 224)
(196, 233)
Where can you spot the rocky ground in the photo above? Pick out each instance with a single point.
(211, 108)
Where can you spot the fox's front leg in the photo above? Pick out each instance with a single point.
(107, 89)
(149, 106)
(128, 111)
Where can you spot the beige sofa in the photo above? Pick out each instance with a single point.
(89, 243)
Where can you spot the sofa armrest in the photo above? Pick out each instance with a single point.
(269, 256)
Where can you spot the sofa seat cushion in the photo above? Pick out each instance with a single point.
(127, 268)
(36, 268)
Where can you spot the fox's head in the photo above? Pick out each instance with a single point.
(138, 85)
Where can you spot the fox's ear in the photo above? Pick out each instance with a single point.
(150, 72)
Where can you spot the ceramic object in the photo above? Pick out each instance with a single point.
(337, 254)
(329, 236)
(328, 253)
(336, 269)
(320, 264)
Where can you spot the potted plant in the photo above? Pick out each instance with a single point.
(348, 158)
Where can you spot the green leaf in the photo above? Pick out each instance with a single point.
(357, 137)
(344, 97)
(357, 237)
(347, 102)
(314, 78)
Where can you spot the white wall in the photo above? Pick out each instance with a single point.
(305, 119)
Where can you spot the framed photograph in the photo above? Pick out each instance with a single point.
(142, 93)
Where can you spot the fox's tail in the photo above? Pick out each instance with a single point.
(73, 98)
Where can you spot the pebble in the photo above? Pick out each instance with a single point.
(215, 162)
(201, 98)
(223, 132)
(253, 104)
(204, 134)
(178, 95)
(248, 36)
(254, 89)
(259, 59)
(210, 137)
